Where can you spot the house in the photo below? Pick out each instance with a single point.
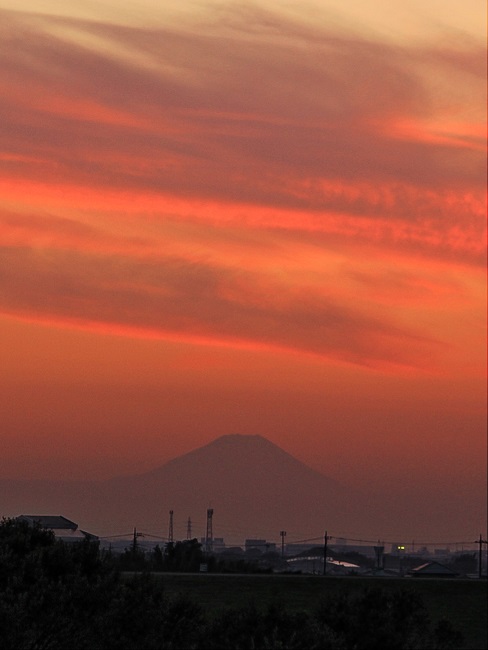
(260, 544)
(315, 564)
(64, 529)
(433, 570)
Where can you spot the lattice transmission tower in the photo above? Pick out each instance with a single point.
(170, 529)
(209, 533)
(188, 529)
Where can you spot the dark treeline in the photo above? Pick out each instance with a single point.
(55, 596)
(188, 556)
(180, 556)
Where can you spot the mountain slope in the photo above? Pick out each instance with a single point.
(254, 487)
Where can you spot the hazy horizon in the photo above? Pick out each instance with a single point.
(255, 489)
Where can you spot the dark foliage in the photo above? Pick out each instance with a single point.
(249, 628)
(183, 557)
(378, 618)
(465, 563)
(55, 596)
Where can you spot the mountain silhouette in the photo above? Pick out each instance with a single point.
(255, 488)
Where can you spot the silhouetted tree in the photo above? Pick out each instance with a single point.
(379, 618)
(465, 563)
(183, 556)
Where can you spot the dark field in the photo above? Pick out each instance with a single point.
(463, 602)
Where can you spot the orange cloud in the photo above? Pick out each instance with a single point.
(379, 214)
(179, 183)
(197, 300)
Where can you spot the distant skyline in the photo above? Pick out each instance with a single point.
(258, 218)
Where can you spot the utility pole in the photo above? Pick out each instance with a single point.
(480, 541)
(170, 531)
(134, 541)
(378, 551)
(326, 539)
(283, 535)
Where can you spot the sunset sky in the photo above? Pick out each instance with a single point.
(245, 217)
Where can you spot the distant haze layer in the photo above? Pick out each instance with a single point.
(254, 488)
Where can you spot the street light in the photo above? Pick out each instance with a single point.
(400, 548)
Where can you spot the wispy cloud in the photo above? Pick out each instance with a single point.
(192, 301)
(173, 180)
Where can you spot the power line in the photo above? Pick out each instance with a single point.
(304, 540)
